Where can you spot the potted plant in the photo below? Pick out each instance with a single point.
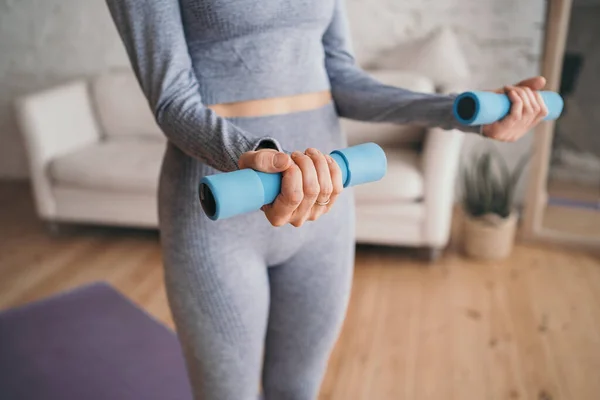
(488, 202)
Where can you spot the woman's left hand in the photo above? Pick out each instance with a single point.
(527, 110)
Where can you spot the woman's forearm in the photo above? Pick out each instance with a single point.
(359, 96)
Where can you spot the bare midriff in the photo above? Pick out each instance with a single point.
(273, 106)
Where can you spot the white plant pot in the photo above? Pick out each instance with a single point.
(489, 237)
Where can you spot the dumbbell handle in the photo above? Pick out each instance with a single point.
(225, 195)
(481, 108)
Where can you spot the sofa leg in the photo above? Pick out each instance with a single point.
(433, 254)
(53, 228)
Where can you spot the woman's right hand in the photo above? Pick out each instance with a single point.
(311, 182)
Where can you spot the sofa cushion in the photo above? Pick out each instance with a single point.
(130, 166)
(438, 55)
(402, 182)
(388, 133)
(122, 109)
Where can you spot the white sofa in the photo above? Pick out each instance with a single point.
(95, 153)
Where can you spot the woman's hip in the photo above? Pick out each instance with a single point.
(318, 128)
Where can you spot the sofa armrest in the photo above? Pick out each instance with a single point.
(441, 155)
(455, 88)
(54, 122)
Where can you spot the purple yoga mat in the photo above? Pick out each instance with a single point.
(88, 344)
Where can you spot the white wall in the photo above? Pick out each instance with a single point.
(43, 42)
(502, 39)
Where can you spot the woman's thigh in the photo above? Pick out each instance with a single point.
(309, 297)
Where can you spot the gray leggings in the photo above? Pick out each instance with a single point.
(250, 298)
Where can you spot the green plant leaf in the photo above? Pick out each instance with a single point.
(473, 192)
(499, 194)
(516, 175)
(467, 188)
(488, 183)
(486, 177)
(470, 195)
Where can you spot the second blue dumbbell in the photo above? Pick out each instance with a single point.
(482, 108)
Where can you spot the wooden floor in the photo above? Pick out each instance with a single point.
(524, 328)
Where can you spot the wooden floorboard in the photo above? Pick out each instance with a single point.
(523, 328)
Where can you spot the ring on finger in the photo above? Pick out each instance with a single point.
(322, 203)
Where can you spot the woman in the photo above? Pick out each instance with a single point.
(241, 84)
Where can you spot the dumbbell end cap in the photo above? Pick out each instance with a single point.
(207, 199)
(466, 108)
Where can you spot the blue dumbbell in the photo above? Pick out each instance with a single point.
(228, 194)
(481, 108)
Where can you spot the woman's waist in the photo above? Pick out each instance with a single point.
(274, 105)
(317, 127)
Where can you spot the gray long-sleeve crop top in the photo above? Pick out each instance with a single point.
(189, 54)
